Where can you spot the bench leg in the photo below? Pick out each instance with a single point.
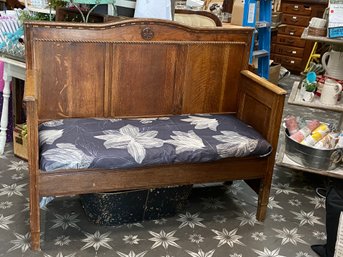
(264, 192)
(34, 219)
(262, 206)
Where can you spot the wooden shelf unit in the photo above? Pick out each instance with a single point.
(284, 160)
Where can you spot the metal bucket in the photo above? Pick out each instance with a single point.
(311, 157)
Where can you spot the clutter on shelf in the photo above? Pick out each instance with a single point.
(331, 25)
(313, 143)
(12, 32)
(317, 86)
(317, 27)
(335, 19)
(221, 8)
(11, 36)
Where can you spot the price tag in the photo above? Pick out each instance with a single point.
(296, 7)
(292, 62)
(294, 52)
(294, 17)
(291, 33)
(251, 13)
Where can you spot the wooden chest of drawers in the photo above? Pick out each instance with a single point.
(287, 46)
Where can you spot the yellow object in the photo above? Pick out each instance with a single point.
(20, 142)
(313, 57)
(316, 135)
(322, 129)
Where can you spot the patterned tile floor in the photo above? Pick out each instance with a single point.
(219, 221)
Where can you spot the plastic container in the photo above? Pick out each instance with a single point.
(116, 208)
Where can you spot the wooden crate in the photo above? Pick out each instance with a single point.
(19, 142)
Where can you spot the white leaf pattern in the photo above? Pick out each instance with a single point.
(235, 144)
(129, 137)
(52, 123)
(49, 136)
(202, 123)
(186, 141)
(137, 151)
(67, 156)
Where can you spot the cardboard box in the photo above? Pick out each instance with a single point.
(274, 72)
(20, 142)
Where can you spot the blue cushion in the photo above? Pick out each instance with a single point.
(129, 143)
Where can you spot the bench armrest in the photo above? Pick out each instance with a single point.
(30, 97)
(261, 105)
(30, 91)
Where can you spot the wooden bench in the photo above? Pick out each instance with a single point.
(144, 68)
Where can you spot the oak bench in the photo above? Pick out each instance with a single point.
(144, 69)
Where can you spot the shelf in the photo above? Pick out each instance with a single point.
(285, 161)
(295, 99)
(262, 24)
(320, 39)
(260, 53)
(41, 10)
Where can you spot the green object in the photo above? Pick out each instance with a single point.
(57, 3)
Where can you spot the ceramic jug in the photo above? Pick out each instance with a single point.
(333, 64)
(330, 92)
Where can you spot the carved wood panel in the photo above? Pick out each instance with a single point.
(143, 79)
(72, 79)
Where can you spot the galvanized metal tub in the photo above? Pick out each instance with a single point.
(311, 157)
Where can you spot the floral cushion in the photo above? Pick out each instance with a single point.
(129, 143)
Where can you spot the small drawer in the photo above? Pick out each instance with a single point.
(297, 20)
(290, 40)
(292, 63)
(291, 30)
(301, 9)
(288, 50)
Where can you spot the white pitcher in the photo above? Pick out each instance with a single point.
(333, 64)
(330, 92)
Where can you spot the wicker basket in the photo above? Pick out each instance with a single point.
(317, 32)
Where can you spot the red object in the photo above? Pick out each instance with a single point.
(305, 131)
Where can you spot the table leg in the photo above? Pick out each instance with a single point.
(4, 114)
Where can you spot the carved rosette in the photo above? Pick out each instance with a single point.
(147, 33)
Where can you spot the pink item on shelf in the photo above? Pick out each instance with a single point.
(2, 83)
(313, 124)
(305, 131)
(291, 124)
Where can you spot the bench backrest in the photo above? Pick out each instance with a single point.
(134, 68)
